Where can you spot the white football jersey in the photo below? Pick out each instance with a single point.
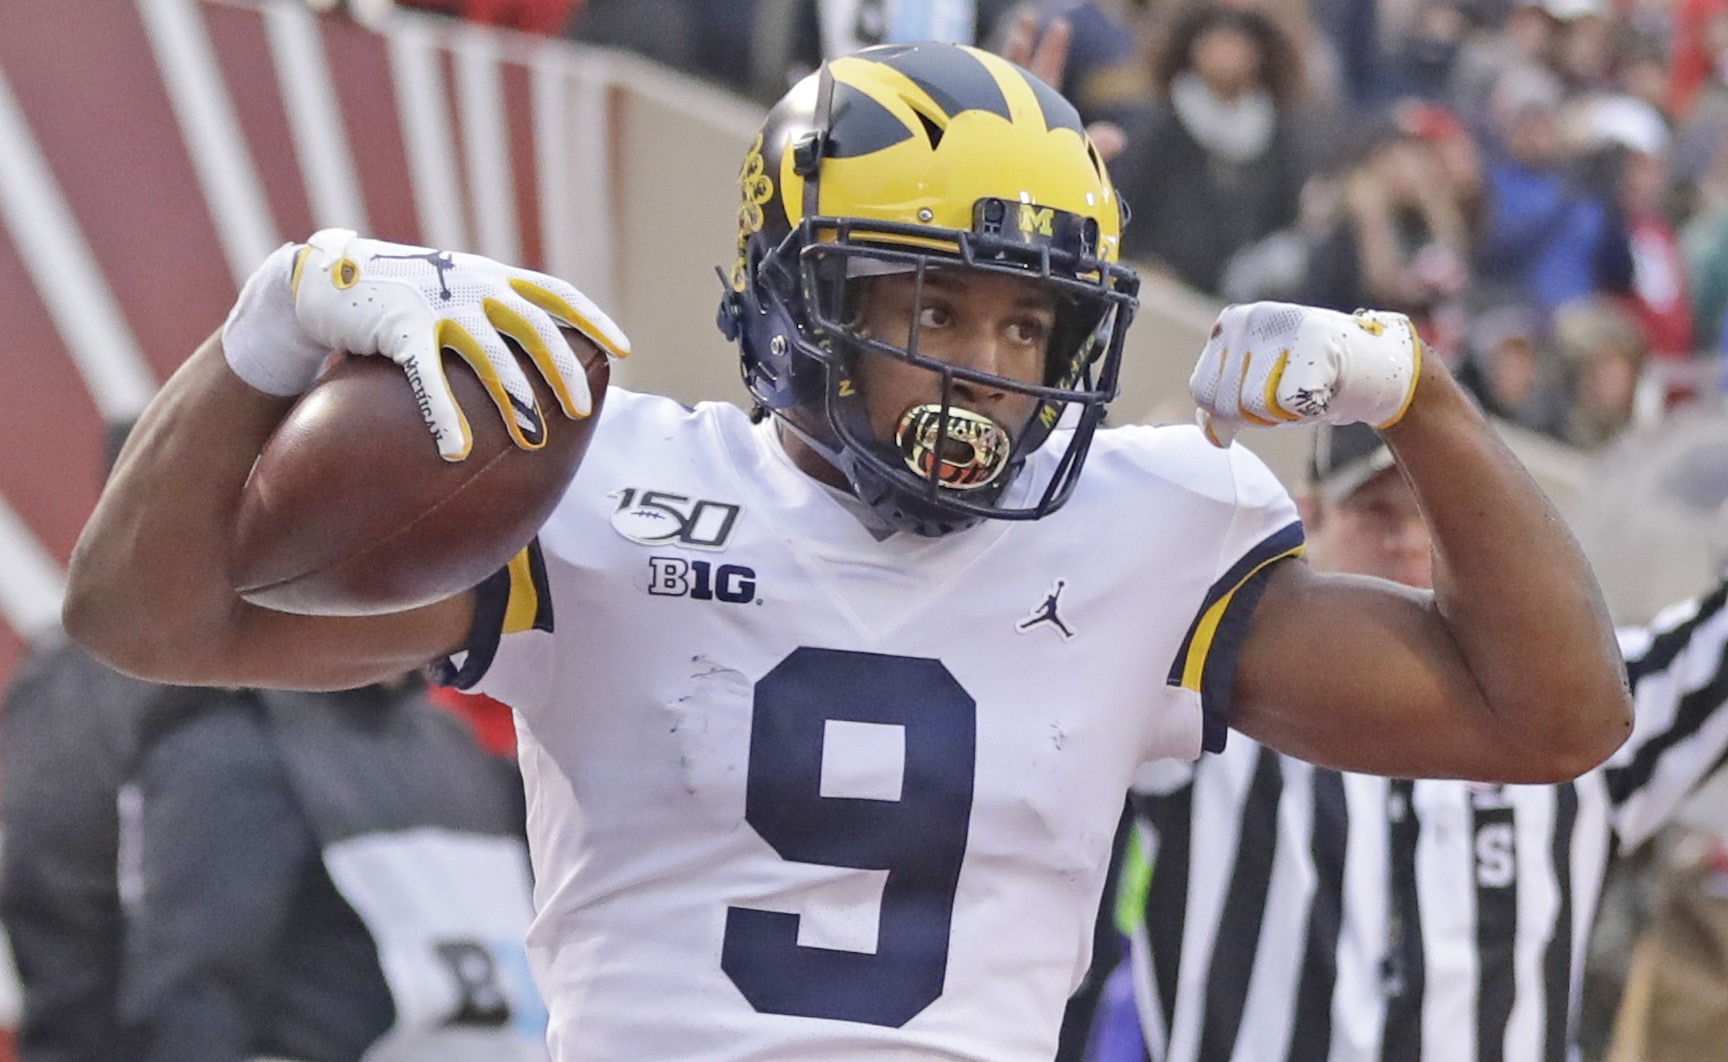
(795, 793)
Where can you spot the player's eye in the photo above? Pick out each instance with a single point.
(934, 317)
(1029, 331)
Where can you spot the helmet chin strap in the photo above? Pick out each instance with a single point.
(833, 453)
(896, 510)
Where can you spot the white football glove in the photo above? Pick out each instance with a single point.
(1271, 363)
(345, 292)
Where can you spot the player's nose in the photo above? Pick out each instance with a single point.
(980, 350)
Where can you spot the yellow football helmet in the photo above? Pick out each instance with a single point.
(908, 158)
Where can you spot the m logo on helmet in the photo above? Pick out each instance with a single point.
(1037, 220)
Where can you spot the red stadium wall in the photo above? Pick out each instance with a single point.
(152, 151)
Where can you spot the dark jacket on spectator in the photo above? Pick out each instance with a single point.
(1192, 210)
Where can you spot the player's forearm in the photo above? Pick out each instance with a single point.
(1512, 587)
(148, 588)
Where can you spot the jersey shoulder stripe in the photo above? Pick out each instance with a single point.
(1206, 662)
(513, 599)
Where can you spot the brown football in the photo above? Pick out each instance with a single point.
(350, 511)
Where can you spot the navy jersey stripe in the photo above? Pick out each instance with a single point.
(527, 590)
(1284, 540)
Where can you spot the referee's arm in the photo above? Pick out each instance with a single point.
(1678, 671)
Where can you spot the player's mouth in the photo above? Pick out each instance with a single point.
(969, 452)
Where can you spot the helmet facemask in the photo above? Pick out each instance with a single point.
(947, 457)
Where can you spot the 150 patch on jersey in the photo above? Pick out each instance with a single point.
(659, 518)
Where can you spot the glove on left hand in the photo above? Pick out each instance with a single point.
(1271, 363)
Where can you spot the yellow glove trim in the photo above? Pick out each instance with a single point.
(1272, 381)
(514, 325)
(1415, 375)
(1241, 409)
(558, 308)
(444, 340)
(454, 336)
(300, 257)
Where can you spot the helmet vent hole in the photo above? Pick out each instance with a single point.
(931, 130)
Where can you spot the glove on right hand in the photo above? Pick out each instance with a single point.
(408, 303)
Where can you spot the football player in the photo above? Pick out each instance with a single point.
(827, 714)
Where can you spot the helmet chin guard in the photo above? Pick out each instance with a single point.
(913, 160)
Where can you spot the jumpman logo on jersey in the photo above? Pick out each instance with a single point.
(1046, 613)
(439, 260)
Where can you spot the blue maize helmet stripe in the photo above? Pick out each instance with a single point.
(972, 86)
(861, 126)
(955, 79)
(1058, 112)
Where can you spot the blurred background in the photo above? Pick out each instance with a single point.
(1544, 185)
(1541, 184)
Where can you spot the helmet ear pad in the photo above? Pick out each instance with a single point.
(779, 374)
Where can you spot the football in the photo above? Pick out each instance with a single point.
(350, 511)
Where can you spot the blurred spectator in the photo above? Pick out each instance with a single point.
(1604, 353)
(1402, 242)
(1321, 84)
(1102, 74)
(1643, 71)
(1676, 1003)
(1584, 47)
(1212, 166)
(1634, 141)
(1699, 45)
(297, 875)
(1525, 41)
(1704, 237)
(1512, 373)
(714, 39)
(318, 877)
(1351, 30)
(848, 25)
(1454, 149)
(65, 743)
(1551, 236)
(1422, 64)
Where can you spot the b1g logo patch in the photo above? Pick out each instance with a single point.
(700, 580)
(661, 518)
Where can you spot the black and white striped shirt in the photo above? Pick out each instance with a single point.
(1298, 914)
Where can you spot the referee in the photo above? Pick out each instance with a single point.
(1283, 912)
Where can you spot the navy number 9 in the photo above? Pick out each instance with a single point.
(919, 839)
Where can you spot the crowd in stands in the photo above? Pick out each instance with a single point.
(1541, 184)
